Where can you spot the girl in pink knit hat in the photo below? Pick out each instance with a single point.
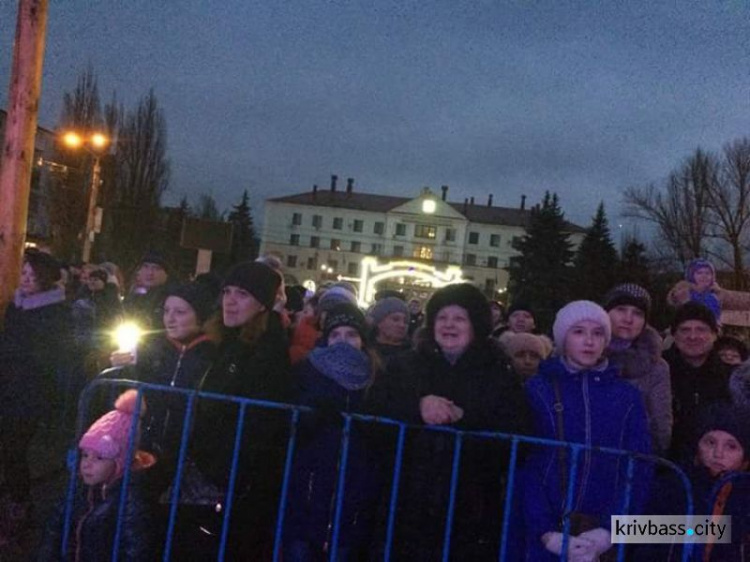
(96, 503)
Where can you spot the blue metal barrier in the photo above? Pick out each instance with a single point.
(294, 411)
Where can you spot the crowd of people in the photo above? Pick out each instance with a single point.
(458, 361)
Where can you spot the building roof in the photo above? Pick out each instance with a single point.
(482, 214)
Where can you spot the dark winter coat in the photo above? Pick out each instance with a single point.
(481, 383)
(693, 388)
(260, 371)
(642, 365)
(599, 409)
(170, 363)
(669, 498)
(94, 523)
(311, 507)
(739, 385)
(36, 354)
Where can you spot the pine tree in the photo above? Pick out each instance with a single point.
(633, 266)
(596, 260)
(244, 243)
(540, 276)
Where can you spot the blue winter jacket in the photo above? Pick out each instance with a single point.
(599, 409)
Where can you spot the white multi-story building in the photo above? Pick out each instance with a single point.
(382, 241)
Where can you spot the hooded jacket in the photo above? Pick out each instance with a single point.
(641, 364)
(599, 409)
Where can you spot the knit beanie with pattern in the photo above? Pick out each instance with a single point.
(108, 436)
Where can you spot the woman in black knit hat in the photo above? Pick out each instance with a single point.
(456, 377)
(252, 362)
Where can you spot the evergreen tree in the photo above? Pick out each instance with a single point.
(540, 276)
(244, 242)
(633, 266)
(596, 260)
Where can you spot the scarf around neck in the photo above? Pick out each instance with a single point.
(345, 365)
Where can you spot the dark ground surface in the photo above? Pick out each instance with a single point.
(49, 480)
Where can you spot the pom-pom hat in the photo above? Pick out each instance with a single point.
(108, 436)
(575, 312)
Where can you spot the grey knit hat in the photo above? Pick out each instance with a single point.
(385, 307)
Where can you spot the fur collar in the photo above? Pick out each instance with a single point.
(39, 300)
(639, 359)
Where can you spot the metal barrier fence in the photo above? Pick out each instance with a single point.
(114, 386)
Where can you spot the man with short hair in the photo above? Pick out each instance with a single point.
(145, 301)
(699, 378)
(521, 318)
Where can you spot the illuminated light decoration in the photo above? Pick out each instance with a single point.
(309, 284)
(373, 273)
(429, 206)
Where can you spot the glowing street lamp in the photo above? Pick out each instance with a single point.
(96, 143)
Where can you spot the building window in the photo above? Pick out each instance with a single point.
(398, 251)
(291, 261)
(294, 240)
(492, 262)
(358, 225)
(315, 241)
(470, 259)
(297, 219)
(377, 249)
(473, 238)
(425, 231)
(489, 287)
(335, 244)
(352, 268)
(450, 234)
(379, 228)
(312, 263)
(356, 247)
(338, 223)
(515, 241)
(317, 221)
(400, 229)
(495, 240)
(423, 252)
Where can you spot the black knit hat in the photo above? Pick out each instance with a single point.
(520, 305)
(731, 342)
(344, 314)
(627, 294)
(198, 296)
(727, 418)
(466, 296)
(257, 279)
(692, 310)
(153, 256)
(46, 268)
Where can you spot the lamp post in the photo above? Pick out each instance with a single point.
(94, 144)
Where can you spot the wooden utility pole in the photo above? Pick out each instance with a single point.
(18, 146)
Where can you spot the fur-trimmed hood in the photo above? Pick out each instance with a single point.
(638, 360)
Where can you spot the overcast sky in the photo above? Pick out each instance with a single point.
(503, 97)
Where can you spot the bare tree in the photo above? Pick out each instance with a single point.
(730, 204)
(681, 211)
(139, 177)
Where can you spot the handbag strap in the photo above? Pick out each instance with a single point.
(562, 451)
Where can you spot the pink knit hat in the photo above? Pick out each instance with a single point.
(108, 436)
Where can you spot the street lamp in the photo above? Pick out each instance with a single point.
(94, 143)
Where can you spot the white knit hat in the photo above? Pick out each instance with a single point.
(574, 312)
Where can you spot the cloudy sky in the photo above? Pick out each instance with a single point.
(504, 97)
